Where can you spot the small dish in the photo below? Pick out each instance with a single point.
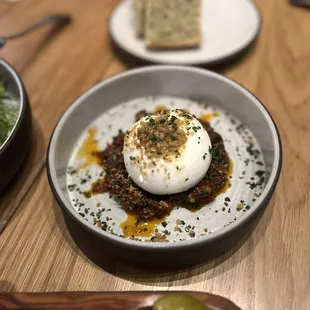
(228, 28)
(102, 105)
(14, 149)
(104, 300)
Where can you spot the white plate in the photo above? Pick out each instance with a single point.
(229, 26)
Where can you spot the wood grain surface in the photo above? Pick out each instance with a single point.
(102, 300)
(269, 270)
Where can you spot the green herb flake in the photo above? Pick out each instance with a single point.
(71, 171)
(253, 152)
(195, 129)
(155, 139)
(164, 224)
(87, 194)
(252, 185)
(260, 173)
(172, 119)
(152, 122)
(71, 187)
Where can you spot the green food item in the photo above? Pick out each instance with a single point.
(179, 301)
(8, 115)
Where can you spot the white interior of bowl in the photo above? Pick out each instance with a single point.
(158, 81)
(181, 224)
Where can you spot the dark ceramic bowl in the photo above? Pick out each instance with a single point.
(13, 151)
(184, 82)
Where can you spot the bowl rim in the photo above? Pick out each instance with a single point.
(134, 244)
(22, 105)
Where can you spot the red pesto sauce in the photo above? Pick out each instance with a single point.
(92, 155)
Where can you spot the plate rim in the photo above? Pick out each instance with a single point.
(141, 298)
(210, 62)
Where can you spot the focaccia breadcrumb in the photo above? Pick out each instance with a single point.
(140, 6)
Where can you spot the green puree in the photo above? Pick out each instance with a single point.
(8, 114)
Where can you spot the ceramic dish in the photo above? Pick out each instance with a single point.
(232, 111)
(16, 145)
(228, 28)
(103, 300)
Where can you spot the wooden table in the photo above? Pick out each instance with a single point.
(270, 270)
